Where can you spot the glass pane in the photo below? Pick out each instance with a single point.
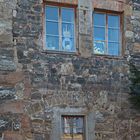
(52, 28)
(67, 30)
(68, 15)
(113, 21)
(99, 19)
(79, 125)
(113, 35)
(99, 47)
(73, 125)
(68, 44)
(113, 49)
(99, 33)
(52, 43)
(66, 125)
(51, 13)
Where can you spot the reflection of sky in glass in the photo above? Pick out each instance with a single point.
(52, 28)
(67, 15)
(99, 19)
(113, 21)
(52, 42)
(106, 24)
(113, 35)
(51, 13)
(99, 33)
(113, 48)
(64, 21)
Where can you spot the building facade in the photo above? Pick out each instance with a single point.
(64, 69)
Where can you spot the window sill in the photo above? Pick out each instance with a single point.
(108, 56)
(60, 52)
(104, 56)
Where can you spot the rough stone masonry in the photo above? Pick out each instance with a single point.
(33, 81)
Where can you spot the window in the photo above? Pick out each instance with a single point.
(106, 34)
(73, 127)
(73, 124)
(60, 28)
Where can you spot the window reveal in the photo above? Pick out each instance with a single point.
(106, 34)
(60, 30)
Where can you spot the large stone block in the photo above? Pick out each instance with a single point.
(7, 54)
(7, 93)
(7, 65)
(9, 135)
(12, 107)
(11, 78)
(109, 5)
(136, 47)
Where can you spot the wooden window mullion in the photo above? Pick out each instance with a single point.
(120, 39)
(106, 34)
(60, 29)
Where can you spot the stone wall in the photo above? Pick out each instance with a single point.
(34, 81)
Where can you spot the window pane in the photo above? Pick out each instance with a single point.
(99, 19)
(52, 13)
(68, 44)
(79, 125)
(66, 125)
(113, 21)
(67, 15)
(99, 33)
(67, 30)
(113, 48)
(52, 28)
(113, 35)
(52, 42)
(99, 47)
(73, 125)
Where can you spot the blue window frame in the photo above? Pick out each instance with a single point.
(60, 28)
(106, 34)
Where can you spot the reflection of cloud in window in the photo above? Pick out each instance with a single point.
(99, 47)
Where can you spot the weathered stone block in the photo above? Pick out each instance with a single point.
(9, 135)
(7, 65)
(36, 96)
(109, 5)
(11, 78)
(7, 93)
(38, 137)
(136, 47)
(13, 107)
(129, 34)
(7, 54)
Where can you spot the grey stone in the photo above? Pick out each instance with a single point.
(129, 34)
(7, 65)
(7, 93)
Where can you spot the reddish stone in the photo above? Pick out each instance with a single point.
(11, 78)
(8, 135)
(109, 5)
(28, 87)
(12, 106)
(65, 1)
(25, 123)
